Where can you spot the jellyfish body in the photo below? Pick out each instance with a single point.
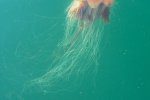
(80, 45)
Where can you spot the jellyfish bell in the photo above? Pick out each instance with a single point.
(102, 5)
(94, 3)
(90, 10)
(107, 2)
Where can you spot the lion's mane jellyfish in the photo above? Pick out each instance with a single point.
(79, 49)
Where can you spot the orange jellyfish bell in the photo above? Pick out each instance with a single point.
(107, 2)
(94, 3)
(90, 9)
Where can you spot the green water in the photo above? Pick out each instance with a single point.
(31, 29)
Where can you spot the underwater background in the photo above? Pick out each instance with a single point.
(31, 29)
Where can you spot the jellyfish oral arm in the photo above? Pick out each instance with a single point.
(105, 14)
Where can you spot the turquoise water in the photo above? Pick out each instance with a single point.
(30, 31)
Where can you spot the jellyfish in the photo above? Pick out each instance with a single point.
(79, 50)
